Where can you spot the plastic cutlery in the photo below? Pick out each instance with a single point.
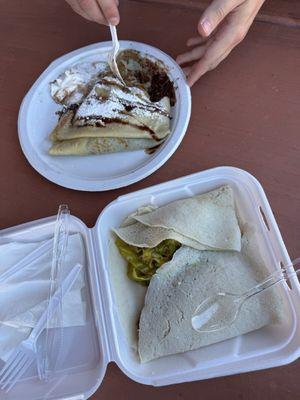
(60, 243)
(25, 354)
(112, 56)
(221, 309)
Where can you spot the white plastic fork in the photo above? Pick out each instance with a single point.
(113, 54)
(25, 354)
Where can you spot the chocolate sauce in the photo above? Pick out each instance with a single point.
(152, 150)
(64, 110)
(102, 122)
(150, 75)
(103, 81)
(145, 107)
(128, 107)
(161, 86)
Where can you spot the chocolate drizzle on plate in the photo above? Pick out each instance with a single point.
(161, 86)
(149, 74)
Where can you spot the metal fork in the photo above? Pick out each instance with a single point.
(25, 354)
(113, 54)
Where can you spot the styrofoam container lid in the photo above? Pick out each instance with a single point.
(102, 340)
(37, 118)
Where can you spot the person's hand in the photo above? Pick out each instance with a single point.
(101, 11)
(222, 26)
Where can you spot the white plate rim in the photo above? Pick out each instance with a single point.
(112, 183)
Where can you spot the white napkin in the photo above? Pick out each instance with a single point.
(23, 297)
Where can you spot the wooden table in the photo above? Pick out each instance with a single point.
(246, 114)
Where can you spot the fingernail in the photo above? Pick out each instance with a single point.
(206, 25)
(114, 20)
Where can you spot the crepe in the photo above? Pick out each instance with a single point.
(204, 222)
(90, 146)
(111, 118)
(182, 284)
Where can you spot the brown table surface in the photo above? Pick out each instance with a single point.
(246, 114)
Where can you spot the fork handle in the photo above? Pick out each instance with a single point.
(55, 300)
(114, 36)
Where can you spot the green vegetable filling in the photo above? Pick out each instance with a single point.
(142, 262)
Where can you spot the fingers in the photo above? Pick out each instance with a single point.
(75, 7)
(100, 11)
(187, 71)
(214, 14)
(92, 9)
(191, 55)
(220, 59)
(194, 41)
(218, 49)
(110, 11)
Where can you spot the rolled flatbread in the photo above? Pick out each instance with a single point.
(204, 222)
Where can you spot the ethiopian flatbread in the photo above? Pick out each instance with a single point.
(204, 222)
(181, 285)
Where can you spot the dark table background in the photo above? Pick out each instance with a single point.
(246, 114)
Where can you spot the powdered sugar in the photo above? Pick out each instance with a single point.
(109, 100)
(103, 99)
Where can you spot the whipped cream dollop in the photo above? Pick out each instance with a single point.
(73, 85)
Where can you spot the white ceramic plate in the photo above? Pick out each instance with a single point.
(37, 118)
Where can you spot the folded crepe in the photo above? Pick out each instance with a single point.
(204, 222)
(91, 145)
(181, 285)
(112, 118)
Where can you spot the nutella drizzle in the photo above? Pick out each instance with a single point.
(150, 106)
(102, 122)
(152, 78)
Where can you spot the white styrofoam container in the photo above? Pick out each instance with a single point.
(90, 348)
